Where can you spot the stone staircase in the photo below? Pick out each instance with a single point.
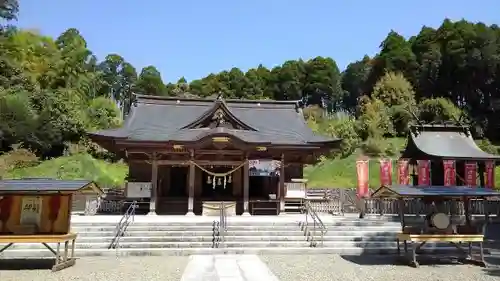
(245, 235)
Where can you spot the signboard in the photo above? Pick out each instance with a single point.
(264, 168)
(424, 172)
(490, 174)
(138, 190)
(450, 176)
(31, 209)
(386, 172)
(470, 173)
(404, 172)
(363, 178)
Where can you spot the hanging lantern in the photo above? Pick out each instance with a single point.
(209, 180)
(219, 181)
(213, 183)
(229, 179)
(225, 180)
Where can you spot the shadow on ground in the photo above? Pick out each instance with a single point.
(26, 264)
(367, 259)
(390, 257)
(394, 260)
(495, 272)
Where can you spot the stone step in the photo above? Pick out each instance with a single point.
(229, 244)
(174, 239)
(230, 228)
(30, 253)
(208, 244)
(296, 232)
(243, 223)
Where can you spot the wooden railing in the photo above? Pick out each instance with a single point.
(339, 201)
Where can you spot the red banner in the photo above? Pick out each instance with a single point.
(403, 172)
(386, 172)
(471, 173)
(490, 174)
(424, 172)
(450, 173)
(363, 178)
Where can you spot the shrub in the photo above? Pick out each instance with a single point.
(438, 110)
(391, 149)
(374, 119)
(344, 127)
(17, 159)
(487, 146)
(374, 147)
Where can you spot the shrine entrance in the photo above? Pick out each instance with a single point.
(217, 188)
(221, 187)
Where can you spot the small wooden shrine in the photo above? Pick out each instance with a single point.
(39, 211)
(447, 155)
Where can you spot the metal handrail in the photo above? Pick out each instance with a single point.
(122, 225)
(219, 228)
(223, 225)
(215, 234)
(316, 223)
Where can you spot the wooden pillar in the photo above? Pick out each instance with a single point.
(154, 185)
(281, 188)
(192, 174)
(245, 188)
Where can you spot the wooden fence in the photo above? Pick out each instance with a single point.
(336, 201)
(339, 201)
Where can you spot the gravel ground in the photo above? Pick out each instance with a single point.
(335, 267)
(99, 268)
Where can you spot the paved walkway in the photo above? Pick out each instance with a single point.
(227, 268)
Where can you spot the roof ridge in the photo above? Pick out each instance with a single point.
(141, 98)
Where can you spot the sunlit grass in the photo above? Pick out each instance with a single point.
(78, 166)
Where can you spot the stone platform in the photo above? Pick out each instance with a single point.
(190, 235)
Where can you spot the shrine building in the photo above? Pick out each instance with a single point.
(441, 142)
(195, 151)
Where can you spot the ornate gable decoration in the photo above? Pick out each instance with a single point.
(219, 116)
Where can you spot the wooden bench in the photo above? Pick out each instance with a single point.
(418, 240)
(62, 260)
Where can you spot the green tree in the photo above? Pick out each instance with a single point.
(395, 55)
(354, 79)
(150, 82)
(439, 110)
(374, 119)
(9, 9)
(398, 96)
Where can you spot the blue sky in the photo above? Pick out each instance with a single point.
(194, 38)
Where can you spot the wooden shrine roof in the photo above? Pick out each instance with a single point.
(402, 191)
(161, 119)
(47, 186)
(445, 142)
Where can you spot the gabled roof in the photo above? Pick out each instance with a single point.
(47, 186)
(219, 106)
(402, 191)
(162, 119)
(446, 142)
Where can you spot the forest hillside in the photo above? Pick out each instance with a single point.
(53, 90)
